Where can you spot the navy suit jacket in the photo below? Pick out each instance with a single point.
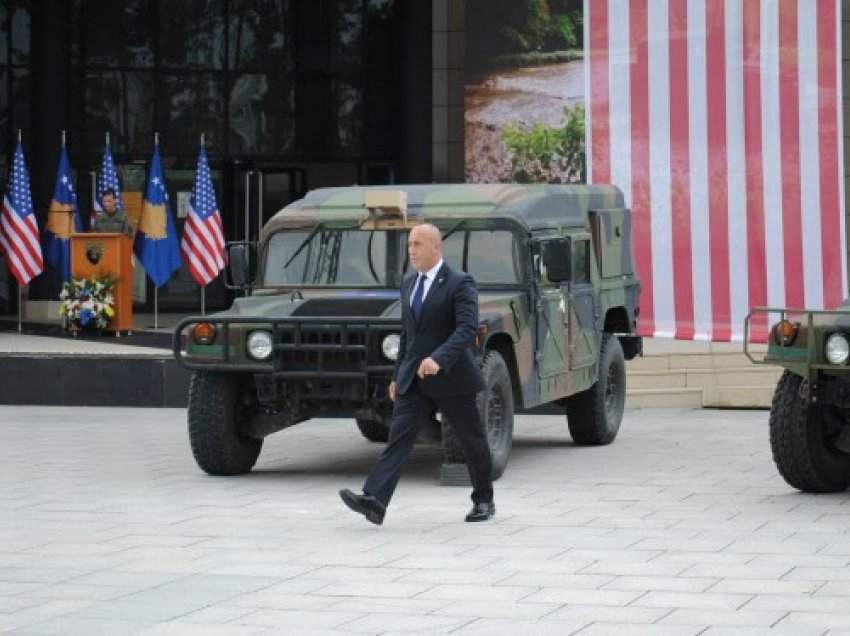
(445, 331)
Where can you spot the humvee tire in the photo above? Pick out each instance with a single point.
(496, 408)
(797, 439)
(373, 430)
(214, 420)
(594, 415)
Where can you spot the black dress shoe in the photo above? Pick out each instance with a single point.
(366, 505)
(481, 511)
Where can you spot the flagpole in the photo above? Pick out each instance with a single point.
(20, 287)
(155, 288)
(203, 288)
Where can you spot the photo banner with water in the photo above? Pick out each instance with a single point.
(525, 85)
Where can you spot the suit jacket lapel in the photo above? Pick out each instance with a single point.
(407, 296)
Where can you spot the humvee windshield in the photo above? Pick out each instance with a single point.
(359, 258)
(490, 256)
(330, 257)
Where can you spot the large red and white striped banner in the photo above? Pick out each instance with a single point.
(721, 122)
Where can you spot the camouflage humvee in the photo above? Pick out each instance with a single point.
(810, 414)
(558, 305)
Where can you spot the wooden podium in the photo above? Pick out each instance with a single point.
(102, 253)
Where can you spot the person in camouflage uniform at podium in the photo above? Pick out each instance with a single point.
(111, 219)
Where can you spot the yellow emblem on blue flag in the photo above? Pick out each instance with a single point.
(60, 219)
(153, 221)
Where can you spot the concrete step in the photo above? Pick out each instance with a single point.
(700, 378)
(664, 398)
(738, 397)
(706, 360)
(695, 374)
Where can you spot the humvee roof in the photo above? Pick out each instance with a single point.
(538, 206)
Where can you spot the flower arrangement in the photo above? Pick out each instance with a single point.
(87, 303)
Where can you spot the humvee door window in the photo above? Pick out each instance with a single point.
(580, 249)
(331, 257)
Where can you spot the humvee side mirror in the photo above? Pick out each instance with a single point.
(240, 266)
(556, 260)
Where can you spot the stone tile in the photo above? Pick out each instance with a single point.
(724, 619)
(667, 531)
(90, 626)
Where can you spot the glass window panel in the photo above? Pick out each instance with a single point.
(20, 102)
(331, 257)
(262, 114)
(4, 34)
(21, 33)
(191, 105)
(349, 116)
(120, 103)
(261, 35)
(119, 33)
(349, 34)
(379, 36)
(5, 123)
(192, 35)
(382, 8)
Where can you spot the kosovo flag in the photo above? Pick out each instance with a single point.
(156, 242)
(63, 219)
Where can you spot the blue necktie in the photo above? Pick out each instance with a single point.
(418, 295)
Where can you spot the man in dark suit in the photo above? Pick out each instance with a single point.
(434, 371)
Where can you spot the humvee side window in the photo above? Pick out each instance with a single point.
(332, 257)
(493, 257)
(580, 257)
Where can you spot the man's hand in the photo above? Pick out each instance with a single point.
(391, 391)
(428, 367)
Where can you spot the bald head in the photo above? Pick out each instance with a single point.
(425, 247)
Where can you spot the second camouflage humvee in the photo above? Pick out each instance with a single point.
(810, 411)
(318, 329)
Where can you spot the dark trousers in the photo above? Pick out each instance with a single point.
(411, 412)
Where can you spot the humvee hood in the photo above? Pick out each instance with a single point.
(338, 304)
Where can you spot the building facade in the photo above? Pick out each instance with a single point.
(289, 95)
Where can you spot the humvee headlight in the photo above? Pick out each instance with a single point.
(837, 349)
(785, 332)
(390, 345)
(204, 333)
(259, 345)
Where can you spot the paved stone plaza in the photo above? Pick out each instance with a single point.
(682, 526)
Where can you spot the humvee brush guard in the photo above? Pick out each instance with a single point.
(810, 414)
(558, 305)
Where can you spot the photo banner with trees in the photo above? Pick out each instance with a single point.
(524, 104)
(721, 121)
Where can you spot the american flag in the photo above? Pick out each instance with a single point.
(18, 229)
(721, 121)
(203, 238)
(106, 180)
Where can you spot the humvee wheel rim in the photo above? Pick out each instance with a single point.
(495, 421)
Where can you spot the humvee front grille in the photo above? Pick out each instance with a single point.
(315, 348)
(321, 348)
